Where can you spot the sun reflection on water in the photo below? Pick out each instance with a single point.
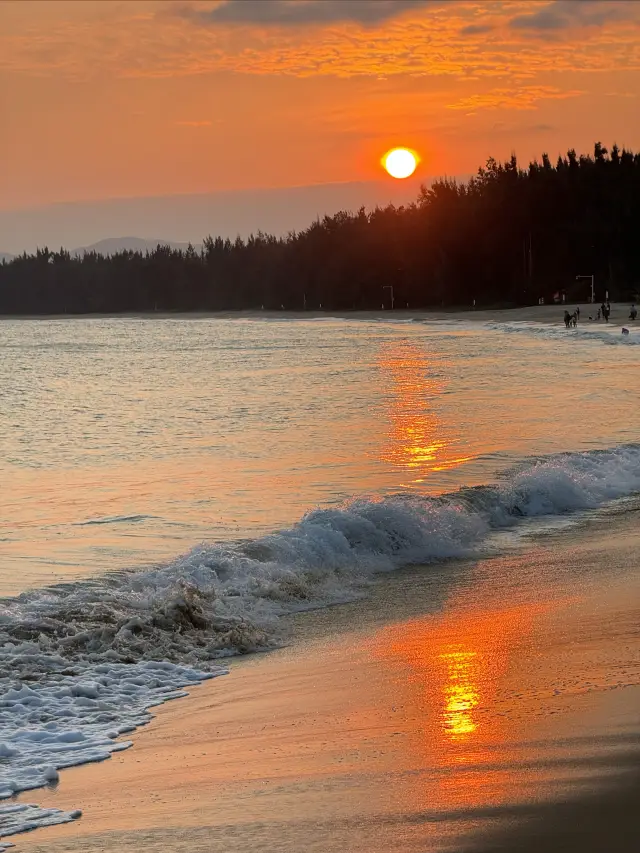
(461, 694)
(417, 441)
(454, 723)
(447, 674)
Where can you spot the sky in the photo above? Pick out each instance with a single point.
(114, 114)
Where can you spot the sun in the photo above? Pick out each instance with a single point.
(400, 162)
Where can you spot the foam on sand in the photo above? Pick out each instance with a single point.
(596, 332)
(81, 663)
(24, 817)
(72, 715)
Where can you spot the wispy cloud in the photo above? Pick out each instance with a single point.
(525, 98)
(503, 127)
(295, 12)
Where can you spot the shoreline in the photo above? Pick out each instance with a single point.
(548, 314)
(431, 665)
(431, 713)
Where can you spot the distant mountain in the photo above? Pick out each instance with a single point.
(112, 245)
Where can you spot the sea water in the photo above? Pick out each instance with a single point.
(170, 488)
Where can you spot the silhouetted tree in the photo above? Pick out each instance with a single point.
(507, 236)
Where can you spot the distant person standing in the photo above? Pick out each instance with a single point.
(633, 313)
(578, 313)
(567, 319)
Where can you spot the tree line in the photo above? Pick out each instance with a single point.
(507, 236)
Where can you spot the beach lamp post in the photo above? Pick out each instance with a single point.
(389, 287)
(593, 293)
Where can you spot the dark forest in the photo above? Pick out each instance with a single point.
(508, 236)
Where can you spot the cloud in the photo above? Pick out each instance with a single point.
(512, 99)
(503, 127)
(476, 29)
(430, 45)
(565, 14)
(292, 12)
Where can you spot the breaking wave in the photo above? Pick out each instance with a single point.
(82, 662)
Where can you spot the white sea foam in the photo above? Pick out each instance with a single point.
(608, 334)
(24, 817)
(69, 714)
(82, 662)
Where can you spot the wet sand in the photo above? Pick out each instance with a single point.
(471, 706)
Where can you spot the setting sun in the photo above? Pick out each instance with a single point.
(400, 162)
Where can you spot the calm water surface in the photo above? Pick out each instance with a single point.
(127, 441)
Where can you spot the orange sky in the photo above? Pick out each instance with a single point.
(125, 99)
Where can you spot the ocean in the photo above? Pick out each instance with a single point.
(171, 488)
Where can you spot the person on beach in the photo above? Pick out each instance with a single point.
(567, 319)
(578, 313)
(633, 313)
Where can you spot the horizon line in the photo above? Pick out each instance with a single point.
(204, 193)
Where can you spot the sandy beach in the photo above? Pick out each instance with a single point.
(487, 705)
(551, 314)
